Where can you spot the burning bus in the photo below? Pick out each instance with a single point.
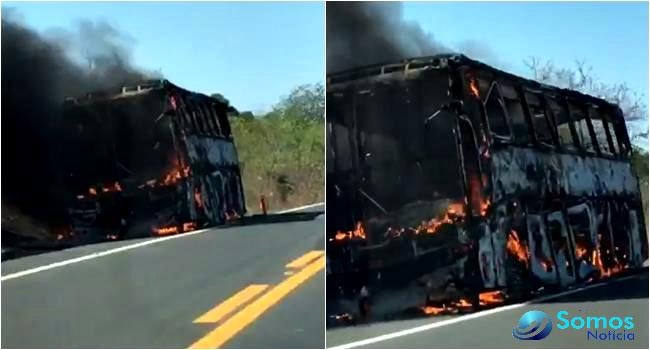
(149, 159)
(453, 185)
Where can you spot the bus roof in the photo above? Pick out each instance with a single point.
(142, 88)
(453, 61)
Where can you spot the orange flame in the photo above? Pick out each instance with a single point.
(489, 298)
(189, 226)
(473, 87)
(598, 263)
(581, 252)
(454, 211)
(358, 233)
(485, 204)
(596, 259)
(168, 230)
(115, 187)
(516, 247)
(198, 198)
(485, 298)
(177, 172)
(432, 310)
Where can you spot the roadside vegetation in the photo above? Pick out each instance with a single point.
(282, 152)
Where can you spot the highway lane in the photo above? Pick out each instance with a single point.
(627, 296)
(150, 296)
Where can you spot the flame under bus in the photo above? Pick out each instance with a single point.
(150, 159)
(451, 183)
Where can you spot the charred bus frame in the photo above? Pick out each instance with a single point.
(150, 159)
(445, 171)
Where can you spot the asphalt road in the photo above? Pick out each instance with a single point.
(222, 287)
(627, 296)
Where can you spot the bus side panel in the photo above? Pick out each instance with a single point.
(215, 190)
(523, 171)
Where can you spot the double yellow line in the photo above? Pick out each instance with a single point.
(307, 265)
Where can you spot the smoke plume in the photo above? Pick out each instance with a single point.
(362, 33)
(38, 72)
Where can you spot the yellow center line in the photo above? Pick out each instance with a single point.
(232, 303)
(254, 310)
(305, 259)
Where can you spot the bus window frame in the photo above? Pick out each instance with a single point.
(609, 150)
(202, 120)
(548, 117)
(622, 135)
(562, 103)
(611, 117)
(191, 111)
(207, 119)
(531, 138)
(577, 141)
(212, 113)
(187, 114)
(495, 136)
(590, 129)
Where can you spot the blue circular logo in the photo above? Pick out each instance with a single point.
(533, 325)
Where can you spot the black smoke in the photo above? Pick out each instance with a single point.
(362, 33)
(38, 73)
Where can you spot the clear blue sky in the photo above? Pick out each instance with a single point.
(611, 37)
(252, 53)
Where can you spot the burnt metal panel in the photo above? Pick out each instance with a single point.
(153, 151)
(520, 171)
(486, 212)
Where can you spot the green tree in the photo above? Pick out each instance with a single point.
(306, 101)
(282, 151)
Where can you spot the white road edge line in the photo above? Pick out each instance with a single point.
(439, 324)
(300, 208)
(95, 255)
(119, 249)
